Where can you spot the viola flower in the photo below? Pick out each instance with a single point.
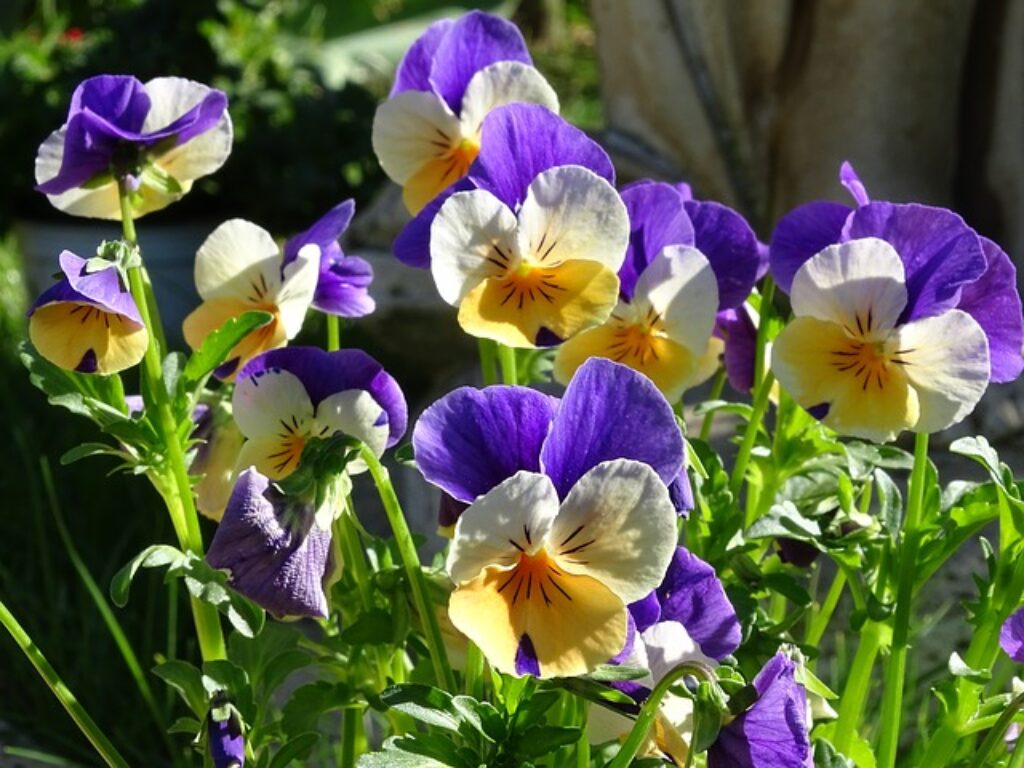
(685, 262)
(427, 134)
(862, 359)
(161, 136)
(1011, 636)
(88, 321)
(773, 733)
(239, 268)
(225, 737)
(737, 328)
(343, 285)
(285, 397)
(276, 548)
(946, 264)
(215, 457)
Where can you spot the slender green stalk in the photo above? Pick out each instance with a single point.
(820, 620)
(1017, 759)
(583, 745)
(350, 724)
(896, 670)
(761, 399)
(488, 359)
(474, 682)
(183, 513)
(994, 738)
(715, 394)
(67, 699)
(413, 569)
(507, 361)
(857, 688)
(333, 333)
(764, 315)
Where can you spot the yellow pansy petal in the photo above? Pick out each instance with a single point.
(868, 397)
(562, 300)
(218, 469)
(276, 457)
(211, 315)
(80, 336)
(437, 174)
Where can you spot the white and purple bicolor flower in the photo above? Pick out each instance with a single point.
(277, 548)
(225, 739)
(688, 618)
(427, 134)
(159, 136)
(570, 519)
(775, 731)
(1011, 636)
(686, 262)
(88, 321)
(342, 288)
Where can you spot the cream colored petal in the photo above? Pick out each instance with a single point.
(171, 97)
(409, 130)
(353, 412)
(504, 82)
(295, 296)
(680, 287)
(239, 260)
(272, 402)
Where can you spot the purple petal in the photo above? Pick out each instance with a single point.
(472, 439)
(89, 146)
(324, 233)
(413, 73)
(342, 288)
(473, 42)
(800, 234)
(994, 302)
(327, 373)
(227, 743)
(693, 595)
(276, 554)
(773, 733)
(939, 252)
(102, 288)
(680, 491)
(526, 658)
(736, 328)
(646, 612)
(849, 179)
(203, 117)
(731, 248)
(412, 246)
(449, 511)
(796, 552)
(518, 141)
(1011, 636)
(656, 219)
(120, 100)
(763, 262)
(610, 412)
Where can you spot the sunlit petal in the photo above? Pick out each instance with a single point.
(83, 337)
(505, 82)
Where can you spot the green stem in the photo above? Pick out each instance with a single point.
(583, 745)
(507, 361)
(413, 569)
(488, 359)
(715, 394)
(64, 695)
(857, 688)
(820, 620)
(350, 724)
(1017, 760)
(739, 470)
(764, 315)
(184, 516)
(994, 738)
(896, 669)
(333, 333)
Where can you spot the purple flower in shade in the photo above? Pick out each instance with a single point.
(343, 286)
(239, 268)
(275, 548)
(946, 264)
(88, 321)
(737, 328)
(427, 134)
(556, 490)
(285, 397)
(226, 739)
(1011, 636)
(774, 732)
(161, 136)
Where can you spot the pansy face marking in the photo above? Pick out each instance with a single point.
(547, 272)
(847, 349)
(541, 585)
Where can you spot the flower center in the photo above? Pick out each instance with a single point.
(637, 341)
(535, 579)
(524, 282)
(868, 361)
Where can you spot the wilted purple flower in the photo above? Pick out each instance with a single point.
(343, 286)
(88, 321)
(162, 135)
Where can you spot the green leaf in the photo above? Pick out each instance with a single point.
(890, 502)
(958, 668)
(424, 703)
(541, 740)
(787, 586)
(155, 556)
(482, 716)
(218, 345)
(826, 756)
(225, 675)
(297, 748)
(396, 758)
(86, 450)
(609, 672)
(186, 725)
(302, 711)
(187, 680)
(785, 520)
(432, 745)
(979, 449)
(372, 628)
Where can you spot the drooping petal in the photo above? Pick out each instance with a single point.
(657, 219)
(940, 253)
(275, 553)
(617, 525)
(504, 82)
(413, 72)
(470, 440)
(692, 594)
(227, 742)
(324, 232)
(801, 233)
(610, 411)
(197, 117)
(343, 286)
(730, 246)
(103, 288)
(473, 42)
(98, 202)
(512, 519)
(473, 238)
(946, 361)
(859, 285)
(79, 336)
(1011, 636)
(994, 302)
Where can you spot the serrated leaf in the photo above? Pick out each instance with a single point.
(187, 680)
(216, 347)
(785, 520)
(297, 748)
(154, 556)
(432, 745)
(85, 450)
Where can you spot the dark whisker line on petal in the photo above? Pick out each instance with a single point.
(577, 548)
(572, 535)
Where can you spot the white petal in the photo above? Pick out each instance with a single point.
(572, 213)
(99, 203)
(947, 363)
(170, 98)
(472, 237)
(846, 283)
(353, 412)
(669, 645)
(410, 129)
(681, 287)
(271, 403)
(237, 261)
(505, 82)
(617, 525)
(295, 295)
(519, 509)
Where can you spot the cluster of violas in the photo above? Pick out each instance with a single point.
(563, 512)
